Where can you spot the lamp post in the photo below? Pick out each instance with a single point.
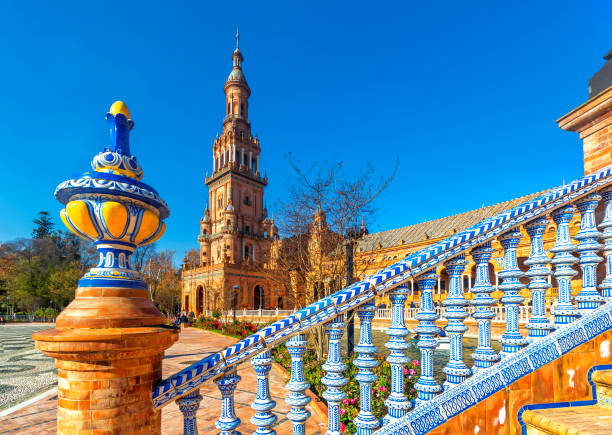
(351, 235)
(234, 302)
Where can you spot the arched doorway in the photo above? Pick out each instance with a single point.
(258, 298)
(199, 300)
(186, 306)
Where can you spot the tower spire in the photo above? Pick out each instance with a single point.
(237, 39)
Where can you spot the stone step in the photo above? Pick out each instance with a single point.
(571, 420)
(603, 386)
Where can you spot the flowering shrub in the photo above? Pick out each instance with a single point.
(238, 329)
(350, 405)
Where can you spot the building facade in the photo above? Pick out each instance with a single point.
(236, 234)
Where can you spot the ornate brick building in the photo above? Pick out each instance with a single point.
(236, 234)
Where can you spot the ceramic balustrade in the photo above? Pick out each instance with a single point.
(456, 308)
(538, 325)
(426, 386)
(588, 298)
(512, 340)
(456, 371)
(366, 422)
(264, 419)
(333, 380)
(397, 403)
(564, 311)
(484, 356)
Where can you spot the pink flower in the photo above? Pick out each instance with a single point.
(382, 389)
(353, 401)
(412, 372)
(345, 401)
(405, 371)
(342, 427)
(280, 355)
(342, 411)
(415, 362)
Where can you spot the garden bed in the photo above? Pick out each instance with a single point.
(314, 373)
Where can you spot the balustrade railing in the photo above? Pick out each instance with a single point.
(558, 205)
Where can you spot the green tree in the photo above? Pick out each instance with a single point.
(44, 226)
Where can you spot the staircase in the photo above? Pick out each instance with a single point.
(587, 417)
(548, 366)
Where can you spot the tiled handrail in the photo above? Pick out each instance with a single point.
(419, 267)
(356, 294)
(436, 411)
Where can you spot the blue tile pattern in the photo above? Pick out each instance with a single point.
(484, 355)
(564, 311)
(365, 421)
(588, 247)
(538, 274)
(436, 411)
(188, 405)
(264, 419)
(298, 414)
(606, 227)
(397, 403)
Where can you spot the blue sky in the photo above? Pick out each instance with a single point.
(465, 93)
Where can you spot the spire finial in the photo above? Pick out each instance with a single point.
(237, 39)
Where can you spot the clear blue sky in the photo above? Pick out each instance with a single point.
(465, 93)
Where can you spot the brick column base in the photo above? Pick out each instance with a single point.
(108, 348)
(105, 377)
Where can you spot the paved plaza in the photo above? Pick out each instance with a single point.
(24, 371)
(193, 345)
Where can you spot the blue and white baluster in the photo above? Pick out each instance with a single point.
(228, 421)
(512, 341)
(189, 404)
(298, 414)
(426, 386)
(606, 226)
(484, 355)
(564, 311)
(538, 273)
(397, 403)
(366, 422)
(456, 370)
(263, 404)
(589, 298)
(333, 379)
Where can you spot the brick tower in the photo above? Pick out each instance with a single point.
(235, 233)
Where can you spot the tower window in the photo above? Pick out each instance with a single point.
(247, 201)
(228, 108)
(247, 229)
(241, 109)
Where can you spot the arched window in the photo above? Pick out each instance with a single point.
(246, 251)
(241, 109)
(228, 108)
(258, 298)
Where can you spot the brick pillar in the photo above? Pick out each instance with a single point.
(593, 121)
(109, 342)
(108, 360)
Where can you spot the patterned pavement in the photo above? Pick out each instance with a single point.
(193, 345)
(24, 372)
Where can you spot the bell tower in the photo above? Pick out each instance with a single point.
(235, 228)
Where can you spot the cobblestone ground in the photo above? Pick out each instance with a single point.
(193, 345)
(24, 371)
